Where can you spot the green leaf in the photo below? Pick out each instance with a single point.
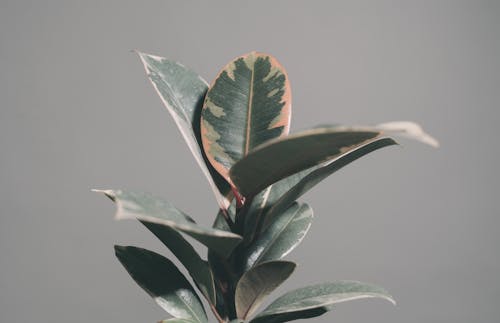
(285, 232)
(159, 277)
(280, 158)
(248, 104)
(292, 316)
(198, 268)
(263, 201)
(145, 207)
(182, 92)
(174, 320)
(259, 282)
(321, 295)
(312, 177)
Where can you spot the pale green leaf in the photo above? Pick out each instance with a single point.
(284, 233)
(146, 207)
(182, 92)
(320, 296)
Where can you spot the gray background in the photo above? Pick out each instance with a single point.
(77, 112)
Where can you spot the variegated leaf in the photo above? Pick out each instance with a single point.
(259, 282)
(320, 296)
(284, 233)
(161, 279)
(248, 104)
(182, 92)
(146, 207)
(283, 157)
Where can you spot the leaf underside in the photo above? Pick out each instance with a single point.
(146, 207)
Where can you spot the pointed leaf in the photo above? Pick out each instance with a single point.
(159, 277)
(292, 316)
(145, 207)
(182, 92)
(174, 320)
(313, 177)
(259, 282)
(284, 233)
(280, 158)
(321, 295)
(184, 251)
(248, 104)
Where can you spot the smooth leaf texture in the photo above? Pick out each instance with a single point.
(263, 201)
(248, 103)
(321, 295)
(292, 316)
(198, 268)
(283, 157)
(259, 282)
(175, 320)
(145, 207)
(313, 177)
(182, 92)
(285, 232)
(159, 277)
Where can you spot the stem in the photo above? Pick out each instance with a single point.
(216, 314)
(240, 201)
(228, 219)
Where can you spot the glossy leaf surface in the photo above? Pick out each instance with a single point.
(248, 104)
(313, 177)
(292, 316)
(283, 157)
(198, 268)
(259, 282)
(161, 279)
(182, 92)
(321, 295)
(145, 207)
(284, 233)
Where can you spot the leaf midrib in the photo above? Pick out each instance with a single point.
(249, 110)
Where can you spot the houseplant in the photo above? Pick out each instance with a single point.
(237, 129)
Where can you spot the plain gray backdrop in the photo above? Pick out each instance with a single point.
(77, 112)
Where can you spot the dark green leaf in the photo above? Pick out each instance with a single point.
(315, 176)
(145, 207)
(197, 267)
(247, 104)
(259, 282)
(319, 296)
(280, 158)
(292, 316)
(159, 277)
(182, 92)
(285, 232)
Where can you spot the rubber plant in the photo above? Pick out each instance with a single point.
(237, 129)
